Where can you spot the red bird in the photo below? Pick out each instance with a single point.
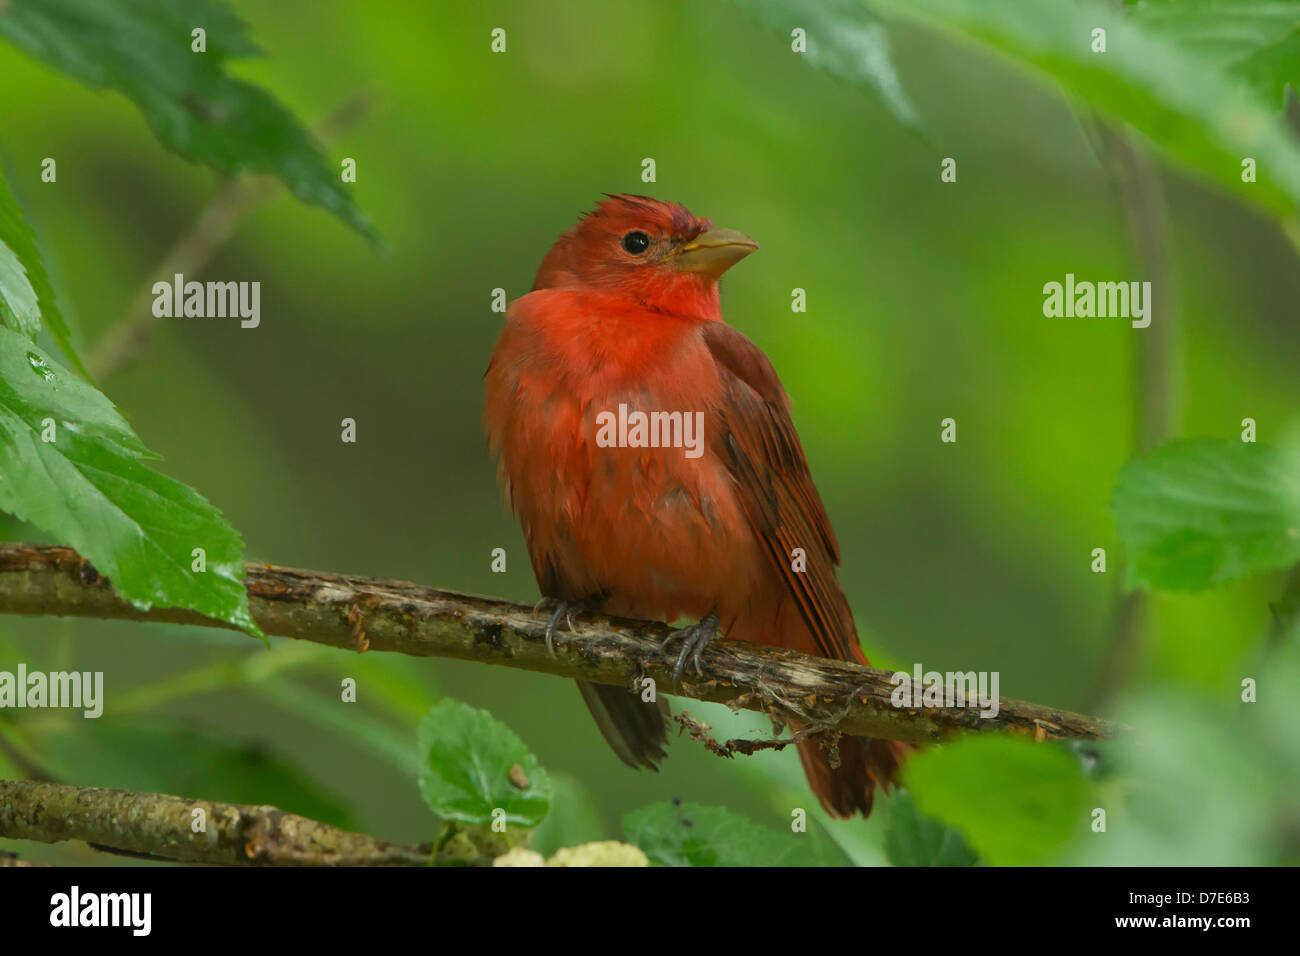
(624, 318)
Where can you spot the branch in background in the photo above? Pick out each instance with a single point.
(18, 757)
(425, 622)
(1158, 388)
(162, 827)
(236, 197)
(1136, 182)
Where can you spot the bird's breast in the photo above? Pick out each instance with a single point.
(618, 484)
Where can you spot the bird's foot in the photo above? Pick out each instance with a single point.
(694, 639)
(563, 609)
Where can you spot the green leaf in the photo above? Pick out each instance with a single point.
(1257, 41)
(845, 39)
(1203, 117)
(26, 295)
(1201, 511)
(153, 757)
(466, 756)
(913, 839)
(688, 834)
(1203, 778)
(142, 49)
(89, 488)
(18, 307)
(1018, 803)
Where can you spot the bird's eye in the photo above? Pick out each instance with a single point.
(636, 242)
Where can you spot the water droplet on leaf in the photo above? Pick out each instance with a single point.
(39, 367)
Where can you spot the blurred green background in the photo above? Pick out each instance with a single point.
(924, 302)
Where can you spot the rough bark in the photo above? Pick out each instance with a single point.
(359, 613)
(163, 827)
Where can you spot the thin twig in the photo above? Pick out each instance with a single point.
(124, 341)
(19, 758)
(1158, 386)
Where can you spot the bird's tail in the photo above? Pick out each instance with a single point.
(863, 765)
(636, 729)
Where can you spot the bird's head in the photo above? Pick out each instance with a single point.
(655, 252)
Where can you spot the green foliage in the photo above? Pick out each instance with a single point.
(845, 39)
(1201, 511)
(1257, 41)
(1155, 75)
(688, 834)
(913, 839)
(89, 488)
(142, 49)
(156, 757)
(26, 295)
(18, 307)
(1019, 803)
(1203, 779)
(466, 759)
(1206, 779)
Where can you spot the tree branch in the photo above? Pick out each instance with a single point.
(159, 826)
(356, 613)
(1158, 393)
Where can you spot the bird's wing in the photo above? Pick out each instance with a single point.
(757, 440)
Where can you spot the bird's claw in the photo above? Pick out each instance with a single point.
(694, 639)
(562, 610)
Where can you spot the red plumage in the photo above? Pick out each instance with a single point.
(650, 532)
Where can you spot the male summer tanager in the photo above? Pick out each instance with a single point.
(625, 311)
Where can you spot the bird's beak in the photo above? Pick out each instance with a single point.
(714, 252)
